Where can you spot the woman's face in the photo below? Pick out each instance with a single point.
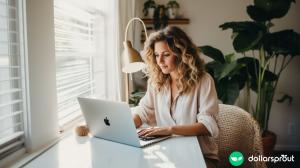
(165, 58)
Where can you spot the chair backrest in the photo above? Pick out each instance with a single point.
(238, 131)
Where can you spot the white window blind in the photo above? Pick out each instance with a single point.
(75, 48)
(12, 78)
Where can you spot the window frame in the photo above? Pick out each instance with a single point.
(24, 83)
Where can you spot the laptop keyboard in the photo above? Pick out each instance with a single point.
(148, 138)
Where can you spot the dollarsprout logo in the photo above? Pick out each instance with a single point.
(236, 158)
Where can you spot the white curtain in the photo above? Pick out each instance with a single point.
(113, 59)
(111, 48)
(127, 10)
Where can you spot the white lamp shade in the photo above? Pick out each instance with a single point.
(133, 67)
(133, 61)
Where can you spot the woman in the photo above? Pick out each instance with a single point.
(181, 98)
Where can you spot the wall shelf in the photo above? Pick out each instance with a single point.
(149, 25)
(170, 21)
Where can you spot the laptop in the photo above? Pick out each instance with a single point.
(111, 120)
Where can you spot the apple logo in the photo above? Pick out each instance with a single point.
(106, 121)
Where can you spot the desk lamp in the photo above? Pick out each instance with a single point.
(133, 61)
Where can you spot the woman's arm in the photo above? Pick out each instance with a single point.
(137, 120)
(186, 130)
(190, 130)
(144, 112)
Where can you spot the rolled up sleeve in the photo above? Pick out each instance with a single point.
(208, 105)
(145, 110)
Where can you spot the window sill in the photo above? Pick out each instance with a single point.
(9, 160)
(27, 157)
(24, 158)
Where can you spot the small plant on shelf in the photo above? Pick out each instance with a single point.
(160, 18)
(173, 7)
(149, 8)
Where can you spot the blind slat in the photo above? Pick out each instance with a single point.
(72, 73)
(11, 78)
(9, 43)
(74, 96)
(74, 84)
(14, 125)
(9, 91)
(11, 146)
(70, 117)
(73, 90)
(69, 111)
(11, 137)
(10, 103)
(61, 25)
(10, 115)
(74, 49)
(69, 75)
(9, 67)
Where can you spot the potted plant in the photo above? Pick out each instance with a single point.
(255, 39)
(160, 18)
(173, 7)
(149, 8)
(232, 74)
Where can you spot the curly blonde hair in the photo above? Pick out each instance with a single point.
(190, 67)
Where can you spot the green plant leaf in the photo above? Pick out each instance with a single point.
(227, 69)
(241, 77)
(220, 71)
(247, 26)
(286, 42)
(148, 4)
(213, 53)
(173, 4)
(273, 8)
(248, 34)
(245, 41)
(270, 76)
(135, 97)
(230, 57)
(228, 77)
(251, 68)
(215, 68)
(257, 14)
(284, 98)
(228, 90)
(160, 19)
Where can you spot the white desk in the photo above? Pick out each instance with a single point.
(73, 151)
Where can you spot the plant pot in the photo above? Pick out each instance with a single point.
(268, 142)
(150, 13)
(173, 13)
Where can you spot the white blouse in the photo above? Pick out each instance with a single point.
(201, 105)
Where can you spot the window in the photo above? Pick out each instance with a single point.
(12, 78)
(79, 57)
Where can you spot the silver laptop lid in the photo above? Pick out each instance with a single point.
(109, 120)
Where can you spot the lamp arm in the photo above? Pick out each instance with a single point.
(129, 24)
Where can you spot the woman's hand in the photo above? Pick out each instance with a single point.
(155, 131)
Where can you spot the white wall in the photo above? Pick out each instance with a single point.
(206, 16)
(42, 119)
